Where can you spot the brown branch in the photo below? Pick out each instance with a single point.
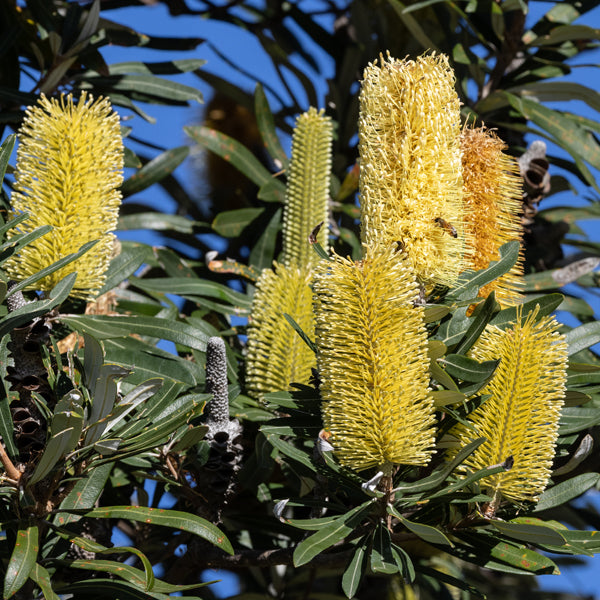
(13, 473)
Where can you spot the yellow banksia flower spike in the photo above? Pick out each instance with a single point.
(492, 196)
(277, 356)
(307, 190)
(372, 361)
(69, 166)
(410, 168)
(520, 419)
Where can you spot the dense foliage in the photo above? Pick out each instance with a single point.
(91, 409)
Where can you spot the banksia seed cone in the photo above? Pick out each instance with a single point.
(410, 169)
(69, 166)
(277, 356)
(520, 420)
(372, 360)
(492, 196)
(307, 191)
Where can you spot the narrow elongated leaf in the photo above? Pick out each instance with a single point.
(567, 490)
(532, 534)
(231, 223)
(111, 589)
(158, 168)
(326, 537)
(425, 532)
(84, 494)
(468, 369)
(171, 67)
(382, 559)
(166, 518)
(5, 151)
(438, 477)
(22, 239)
(22, 560)
(583, 337)
(266, 126)
(355, 571)
(156, 221)
(547, 304)
(106, 327)
(263, 253)
(290, 451)
(235, 153)
(478, 324)
(147, 88)
(42, 578)
(574, 419)
(131, 258)
(28, 312)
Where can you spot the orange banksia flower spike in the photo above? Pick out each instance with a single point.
(410, 169)
(69, 168)
(372, 361)
(492, 196)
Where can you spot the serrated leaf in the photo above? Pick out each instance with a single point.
(326, 537)
(567, 490)
(158, 168)
(166, 518)
(22, 560)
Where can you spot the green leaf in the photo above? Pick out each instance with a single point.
(567, 490)
(425, 532)
(263, 252)
(22, 560)
(266, 126)
(469, 369)
(355, 571)
(32, 310)
(5, 151)
(532, 534)
(147, 88)
(231, 223)
(158, 168)
(166, 518)
(156, 221)
(93, 546)
(192, 289)
(547, 304)
(290, 451)
(574, 419)
(106, 327)
(413, 26)
(583, 337)
(84, 494)
(112, 589)
(382, 559)
(438, 477)
(301, 333)
(59, 264)
(447, 397)
(65, 430)
(103, 396)
(469, 284)
(171, 67)
(326, 537)
(42, 578)
(18, 241)
(233, 152)
(566, 33)
(130, 259)
(479, 322)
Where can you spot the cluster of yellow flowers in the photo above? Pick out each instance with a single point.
(437, 199)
